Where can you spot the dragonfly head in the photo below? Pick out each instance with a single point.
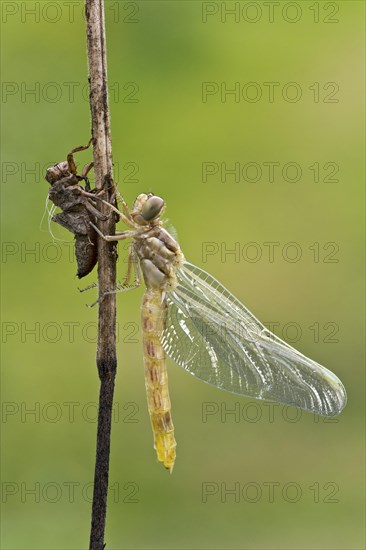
(147, 209)
(57, 172)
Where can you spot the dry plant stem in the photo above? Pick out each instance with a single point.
(106, 350)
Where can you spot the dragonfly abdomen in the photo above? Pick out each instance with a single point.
(156, 377)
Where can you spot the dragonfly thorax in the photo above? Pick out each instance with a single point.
(159, 255)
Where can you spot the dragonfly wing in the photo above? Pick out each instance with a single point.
(214, 337)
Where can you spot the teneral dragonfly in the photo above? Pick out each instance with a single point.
(189, 316)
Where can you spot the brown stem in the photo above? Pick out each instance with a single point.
(106, 349)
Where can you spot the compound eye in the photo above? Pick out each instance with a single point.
(152, 208)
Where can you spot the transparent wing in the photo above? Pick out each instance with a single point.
(214, 337)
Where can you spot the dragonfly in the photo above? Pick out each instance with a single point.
(189, 316)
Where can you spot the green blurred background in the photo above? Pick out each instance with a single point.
(298, 480)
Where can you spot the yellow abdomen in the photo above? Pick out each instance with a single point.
(156, 377)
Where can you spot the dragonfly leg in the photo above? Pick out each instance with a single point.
(93, 285)
(86, 169)
(70, 156)
(121, 287)
(94, 211)
(125, 218)
(124, 206)
(84, 173)
(132, 264)
(94, 196)
(120, 235)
